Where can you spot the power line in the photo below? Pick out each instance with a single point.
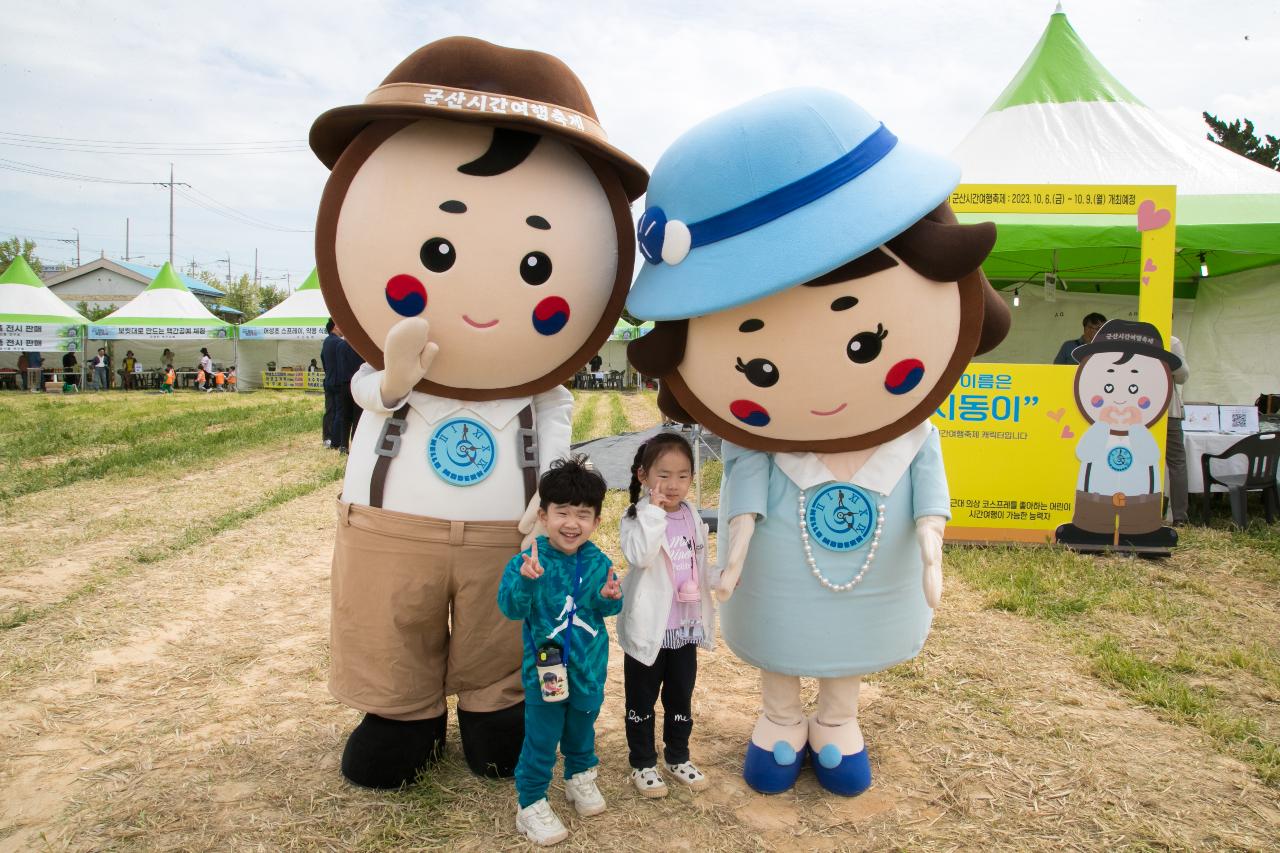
(124, 142)
(103, 146)
(228, 212)
(41, 171)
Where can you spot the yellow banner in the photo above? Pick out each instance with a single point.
(1009, 431)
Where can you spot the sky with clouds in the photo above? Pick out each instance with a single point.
(226, 75)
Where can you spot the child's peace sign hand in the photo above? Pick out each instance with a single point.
(611, 589)
(531, 568)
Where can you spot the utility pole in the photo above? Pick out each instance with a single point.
(255, 268)
(228, 270)
(69, 240)
(170, 184)
(126, 238)
(193, 267)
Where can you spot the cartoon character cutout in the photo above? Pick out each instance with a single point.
(474, 244)
(816, 300)
(1123, 385)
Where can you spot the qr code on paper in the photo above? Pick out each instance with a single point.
(1239, 420)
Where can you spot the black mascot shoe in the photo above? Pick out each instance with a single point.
(491, 740)
(386, 754)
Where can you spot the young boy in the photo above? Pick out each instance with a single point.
(562, 588)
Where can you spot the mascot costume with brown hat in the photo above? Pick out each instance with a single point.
(816, 299)
(474, 244)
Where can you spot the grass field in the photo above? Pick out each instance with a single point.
(163, 652)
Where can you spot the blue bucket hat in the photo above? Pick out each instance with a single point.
(773, 193)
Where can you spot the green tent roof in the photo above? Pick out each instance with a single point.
(20, 272)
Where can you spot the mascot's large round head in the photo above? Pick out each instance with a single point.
(1125, 377)
(813, 289)
(476, 188)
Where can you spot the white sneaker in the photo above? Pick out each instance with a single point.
(580, 789)
(689, 775)
(649, 783)
(539, 824)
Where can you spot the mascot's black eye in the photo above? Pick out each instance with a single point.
(759, 371)
(535, 268)
(1133, 389)
(1108, 387)
(865, 346)
(437, 254)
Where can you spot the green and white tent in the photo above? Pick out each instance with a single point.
(165, 311)
(1064, 119)
(613, 352)
(300, 317)
(32, 318)
(277, 347)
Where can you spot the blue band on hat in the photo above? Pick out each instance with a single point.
(778, 203)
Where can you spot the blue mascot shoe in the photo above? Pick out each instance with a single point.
(772, 771)
(846, 775)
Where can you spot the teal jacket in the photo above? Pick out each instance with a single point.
(544, 603)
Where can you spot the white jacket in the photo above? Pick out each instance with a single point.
(646, 590)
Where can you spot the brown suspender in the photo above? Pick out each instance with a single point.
(389, 446)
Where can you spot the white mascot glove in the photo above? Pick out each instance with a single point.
(741, 529)
(929, 530)
(407, 356)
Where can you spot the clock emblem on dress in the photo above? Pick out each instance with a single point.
(1119, 458)
(461, 451)
(841, 517)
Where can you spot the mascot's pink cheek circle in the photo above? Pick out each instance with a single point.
(406, 295)
(749, 412)
(1097, 402)
(1144, 402)
(904, 376)
(550, 315)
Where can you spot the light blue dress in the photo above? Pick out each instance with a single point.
(781, 618)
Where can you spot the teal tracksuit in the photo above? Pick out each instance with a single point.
(569, 581)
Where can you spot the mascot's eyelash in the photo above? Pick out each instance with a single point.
(881, 331)
(741, 368)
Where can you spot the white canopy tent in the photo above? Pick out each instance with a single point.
(288, 337)
(1064, 119)
(32, 319)
(165, 313)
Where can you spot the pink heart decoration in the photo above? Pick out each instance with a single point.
(1067, 433)
(1057, 416)
(1150, 219)
(1146, 279)
(1149, 266)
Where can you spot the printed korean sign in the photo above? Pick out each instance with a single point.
(1010, 432)
(39, 337)
(158, 333)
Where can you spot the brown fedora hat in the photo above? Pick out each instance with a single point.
(466, 79)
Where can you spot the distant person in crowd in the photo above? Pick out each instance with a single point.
(35, 361)
(206, 367)
(346, 413)
(1092, 323)
(219, 380)
(1175, 453)
(69, 365)
(22, 370)
(329, 356)
(596, 362)
(201, 378)
(129, 366)
(170, 379)
(101, 364)
(231, 378)
(313, 367)
(167, 357)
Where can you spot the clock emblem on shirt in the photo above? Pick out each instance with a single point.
(841, 517)
(461, 451)
(1119, 459)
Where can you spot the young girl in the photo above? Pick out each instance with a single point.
(666, 611)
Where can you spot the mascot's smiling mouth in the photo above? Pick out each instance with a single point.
(836, 410)
(487, 325)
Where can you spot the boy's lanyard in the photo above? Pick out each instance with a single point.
(569, 616)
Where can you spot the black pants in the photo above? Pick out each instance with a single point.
(673, 674)
(346, 414)
(330, 396)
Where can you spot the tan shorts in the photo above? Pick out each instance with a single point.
(1097, 513)
(415, 614)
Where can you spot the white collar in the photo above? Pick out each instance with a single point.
(496, 413)
(880, 473)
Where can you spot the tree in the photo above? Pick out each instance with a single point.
(15, 246)
(271, 296)
(94, 312)
(1241, 139)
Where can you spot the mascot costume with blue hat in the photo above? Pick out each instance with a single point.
(475, 246)
(816, 300)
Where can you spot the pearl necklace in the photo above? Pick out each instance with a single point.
(813, 565)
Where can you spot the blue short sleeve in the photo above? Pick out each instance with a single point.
(745, 485)
(929, 493)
